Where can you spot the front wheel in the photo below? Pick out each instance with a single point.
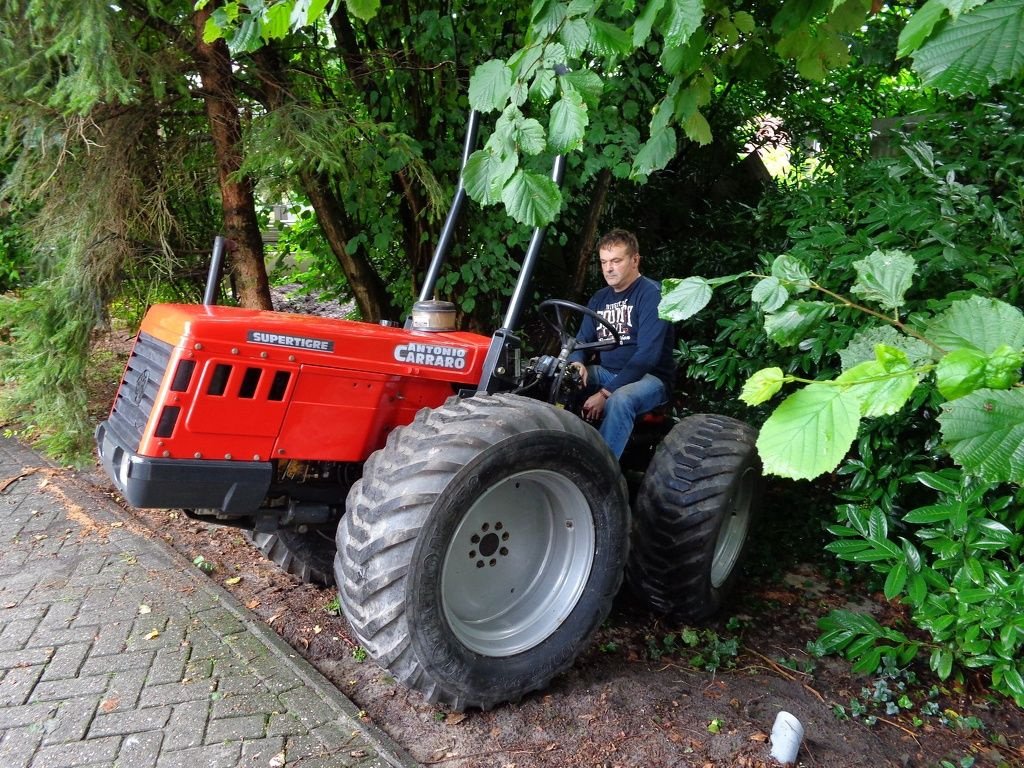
(483, 548)
(693, 515)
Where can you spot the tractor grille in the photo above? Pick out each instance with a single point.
(137, 394)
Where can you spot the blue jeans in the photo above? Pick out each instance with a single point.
(625, 404)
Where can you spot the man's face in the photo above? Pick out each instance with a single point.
(620, 268)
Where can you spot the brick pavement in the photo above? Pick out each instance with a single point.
(115, 651)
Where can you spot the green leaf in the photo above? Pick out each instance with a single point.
(1002, 369)
(489, 86)
(978, 323)
(883, 389)
(364, 10)
(697, 128)
(762, 386)
(791, 324)
(575, 36)
(770, 294)
(212, 31)
(884, 277)
(585, 82)
(941, 662)
(486, 174)
(917, 589)
(933, 513)
(810, 432)
(529, 137)
(276, 21)
(863, 344)
(895, 581)
(655, 154)
(308, 11)
(940, 481)
(680, 20)
(682, 299)
(608, 40)
(911, 556)
(975, 571)
(976, 51)
(960, 372)
(920, 26)
(878, 526)
(531, 198)
(645, 22)
(984, 433)
(568, 123)
(792, 273)
(246, 37)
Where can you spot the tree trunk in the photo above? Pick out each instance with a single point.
(367, 287)
(237, 200)
(588, 236)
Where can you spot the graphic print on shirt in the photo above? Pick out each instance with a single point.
(620, 316)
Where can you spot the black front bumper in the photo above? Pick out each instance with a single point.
(235, 487)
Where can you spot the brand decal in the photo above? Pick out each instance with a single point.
(432, 355)
(284, 340)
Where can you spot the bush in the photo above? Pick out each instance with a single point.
(917, 237)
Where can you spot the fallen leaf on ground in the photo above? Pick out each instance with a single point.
(109, 705)
(454, 718)
(153, 634)
(144, 609)
(233, 580)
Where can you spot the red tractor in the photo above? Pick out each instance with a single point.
(478, 530)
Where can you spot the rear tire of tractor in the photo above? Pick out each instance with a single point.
(483, 548)
(692, 516)
(308, 556)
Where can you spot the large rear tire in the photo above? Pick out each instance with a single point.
(309, 556)
(483, 548)
(693, 515)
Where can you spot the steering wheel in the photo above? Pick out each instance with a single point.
(552, 312)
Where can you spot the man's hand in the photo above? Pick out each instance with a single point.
(582, 369)
(594, 407)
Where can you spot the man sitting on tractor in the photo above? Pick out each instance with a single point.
(636, 376)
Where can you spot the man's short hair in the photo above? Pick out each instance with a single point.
(619, 237)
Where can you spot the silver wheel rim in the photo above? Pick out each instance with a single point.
(518, 563)
(733, 533)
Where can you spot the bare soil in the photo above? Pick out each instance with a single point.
(633, 700)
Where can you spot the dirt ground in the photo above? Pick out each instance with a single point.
(646, 694)
(632, 699)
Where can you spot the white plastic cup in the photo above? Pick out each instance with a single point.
(787, 733)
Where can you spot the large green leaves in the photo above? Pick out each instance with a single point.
(682, 299)
(531, 198)
(884, 384)
(490, 85)
(486, 174)
(984, 432)
(794, 321)
(978, 323)
(568, 122)
(810, 432)
(655, 154)
(884, 277)
(976, 50)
